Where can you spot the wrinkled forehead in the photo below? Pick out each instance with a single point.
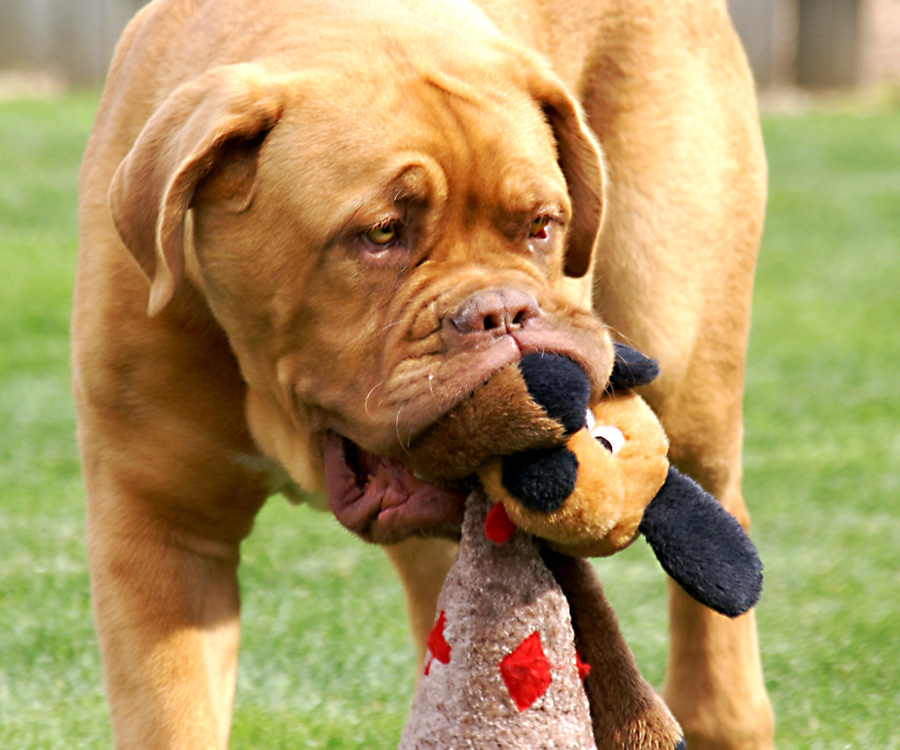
(482, 139)
(493, 138)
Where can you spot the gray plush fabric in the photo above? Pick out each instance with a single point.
(495, 597)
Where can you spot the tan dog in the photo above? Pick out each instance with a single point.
(307, 230)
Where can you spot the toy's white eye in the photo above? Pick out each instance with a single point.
(611, 437)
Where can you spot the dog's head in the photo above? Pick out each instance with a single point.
(376, 237)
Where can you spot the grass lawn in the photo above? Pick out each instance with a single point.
(325, 660)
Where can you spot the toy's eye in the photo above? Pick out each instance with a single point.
(538, 228)
(610, 438)
(383, 234)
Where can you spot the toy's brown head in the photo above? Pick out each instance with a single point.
(521, 432)
(586, 497)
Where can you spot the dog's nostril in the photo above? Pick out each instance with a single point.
(491, 322)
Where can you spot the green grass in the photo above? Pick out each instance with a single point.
(823, 429)
(325, 660)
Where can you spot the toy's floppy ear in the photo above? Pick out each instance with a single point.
(630, 369)
(702, 547)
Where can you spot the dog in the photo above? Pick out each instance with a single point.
(309, 229)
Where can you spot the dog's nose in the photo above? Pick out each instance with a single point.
(496, 312)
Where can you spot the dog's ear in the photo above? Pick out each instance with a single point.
(225, 111)
(580, 158)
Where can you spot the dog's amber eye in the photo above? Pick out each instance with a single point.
(383, 234)
(538, 228)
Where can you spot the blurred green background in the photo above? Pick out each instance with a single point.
(325, 660)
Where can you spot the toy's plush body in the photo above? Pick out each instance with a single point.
(501, 667)
(526, 655)
(559, 483)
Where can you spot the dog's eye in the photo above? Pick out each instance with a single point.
(383, 234)
(538, 228)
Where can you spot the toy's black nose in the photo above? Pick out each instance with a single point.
(492, 313)
(560, 386)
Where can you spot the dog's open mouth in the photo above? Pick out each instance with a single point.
(383, 501)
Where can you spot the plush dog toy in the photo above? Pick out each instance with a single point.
(522, 618)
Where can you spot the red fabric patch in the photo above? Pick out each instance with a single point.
(526, 672)
(498, 527)
(436, 644)
(584, 669)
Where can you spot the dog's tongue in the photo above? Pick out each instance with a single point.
(380, 499)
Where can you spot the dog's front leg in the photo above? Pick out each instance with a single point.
(166, 606)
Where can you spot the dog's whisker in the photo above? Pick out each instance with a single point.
(388, 326)
(368, 396)
(403, 444)
(622, 336)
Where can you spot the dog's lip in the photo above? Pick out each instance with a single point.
(539, 340)
(471, 368)
(535, 339)
(380, 499)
